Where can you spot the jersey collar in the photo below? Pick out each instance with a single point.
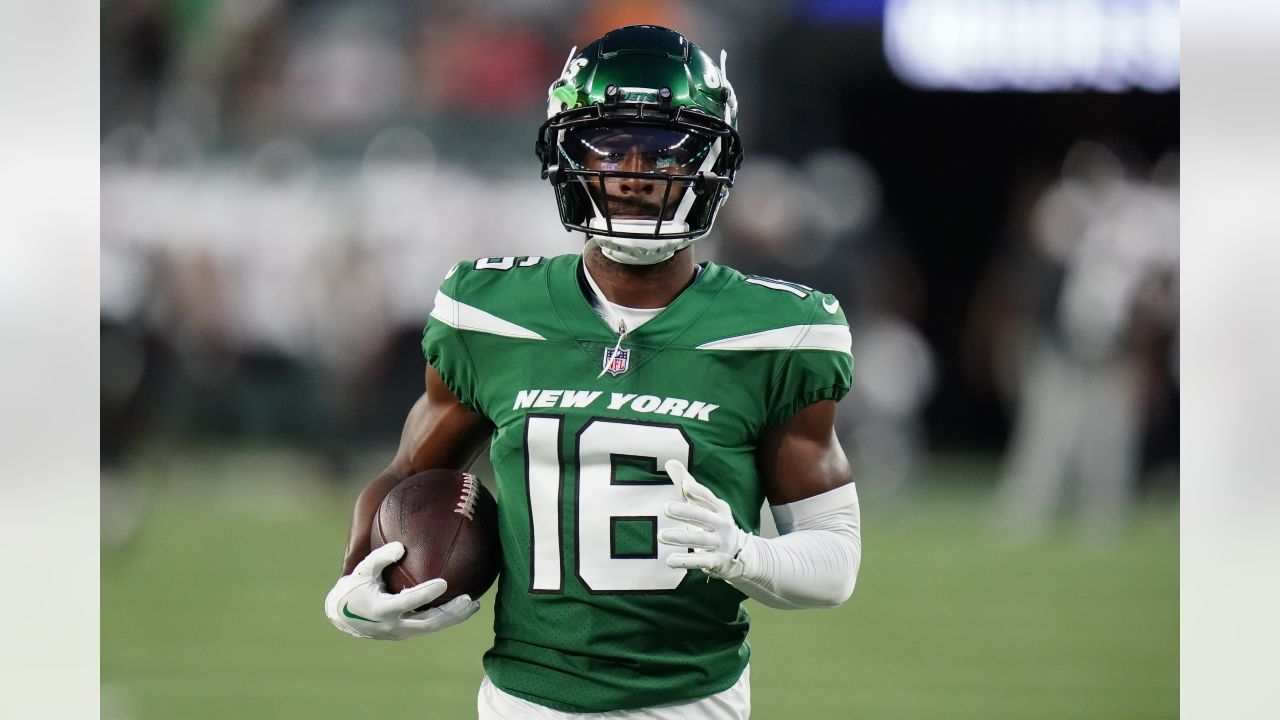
(572, 305)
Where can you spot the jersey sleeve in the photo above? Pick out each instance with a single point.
(444, 344)
(819, 367)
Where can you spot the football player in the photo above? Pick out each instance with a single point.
(638, 409)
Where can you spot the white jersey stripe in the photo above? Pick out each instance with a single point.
(835, 338)
(464, 317)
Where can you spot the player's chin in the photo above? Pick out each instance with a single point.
(631, 213)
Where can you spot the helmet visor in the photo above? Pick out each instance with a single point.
(631, 170)
(636, 148)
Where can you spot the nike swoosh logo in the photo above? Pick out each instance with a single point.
(830, 305)
(348, 613)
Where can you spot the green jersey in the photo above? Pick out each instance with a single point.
(588, 616)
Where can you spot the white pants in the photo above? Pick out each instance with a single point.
(732, 704)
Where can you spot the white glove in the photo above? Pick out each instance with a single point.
(716, 540)
(813, 564)
(360, 604)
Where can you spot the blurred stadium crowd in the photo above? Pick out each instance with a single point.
(285, 183)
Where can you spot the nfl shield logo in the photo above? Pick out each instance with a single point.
(615, 360)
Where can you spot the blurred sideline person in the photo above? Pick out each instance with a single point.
(1110, 244)
(639, 409)
(884, 421)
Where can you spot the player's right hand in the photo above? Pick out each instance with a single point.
(360, 605)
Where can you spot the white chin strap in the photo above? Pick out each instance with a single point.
(636, 251)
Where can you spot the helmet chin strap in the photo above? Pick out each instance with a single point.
(637, 252)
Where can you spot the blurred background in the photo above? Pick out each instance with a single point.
(989, 186)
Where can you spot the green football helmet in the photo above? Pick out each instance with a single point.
(641, 142)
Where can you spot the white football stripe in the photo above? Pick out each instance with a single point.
(835, 338)
(464, 317)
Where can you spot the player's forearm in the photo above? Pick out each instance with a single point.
(439, 432)
(814, 564)
(362, 517)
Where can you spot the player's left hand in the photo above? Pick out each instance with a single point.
(716, 540)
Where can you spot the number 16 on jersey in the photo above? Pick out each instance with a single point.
(602, 503)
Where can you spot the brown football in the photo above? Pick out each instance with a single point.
(448, 523)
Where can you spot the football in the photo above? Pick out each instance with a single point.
(448, 523)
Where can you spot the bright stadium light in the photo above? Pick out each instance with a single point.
(1033, 45)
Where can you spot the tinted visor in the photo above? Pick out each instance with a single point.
(635, 148)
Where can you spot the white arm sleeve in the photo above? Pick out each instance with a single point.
(814, 563)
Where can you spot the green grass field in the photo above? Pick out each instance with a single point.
(214, 610)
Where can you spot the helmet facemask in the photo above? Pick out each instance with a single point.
(638, 178)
